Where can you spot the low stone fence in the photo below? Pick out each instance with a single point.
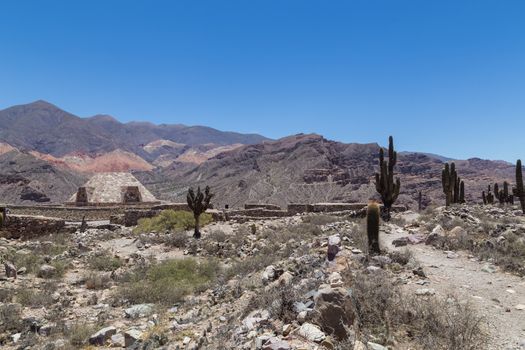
(262, 206)
(27, 226)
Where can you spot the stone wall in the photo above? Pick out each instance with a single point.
(26, 226)
(262, 206)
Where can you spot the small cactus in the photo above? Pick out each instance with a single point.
(372, 227)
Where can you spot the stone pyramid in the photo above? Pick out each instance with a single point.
(112, 189)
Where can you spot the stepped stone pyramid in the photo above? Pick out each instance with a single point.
(112, 189)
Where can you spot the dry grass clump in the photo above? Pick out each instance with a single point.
(167, 282)
(79, 333)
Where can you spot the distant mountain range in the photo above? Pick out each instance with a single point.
(43, 127)
(46, 153)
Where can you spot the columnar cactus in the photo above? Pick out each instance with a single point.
(461, 192)
(518, 192)
(448, 181)
(453, 187)
(372, 228)
(198, 203)
(503, 196)
(385, 185)
(490, 196)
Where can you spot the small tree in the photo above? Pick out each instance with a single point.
(198, 203)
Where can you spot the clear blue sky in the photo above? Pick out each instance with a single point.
(441, 76)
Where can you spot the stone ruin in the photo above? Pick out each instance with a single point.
(111, 189)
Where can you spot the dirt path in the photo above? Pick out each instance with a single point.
(495, 294)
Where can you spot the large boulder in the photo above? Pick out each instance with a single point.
(334, 312)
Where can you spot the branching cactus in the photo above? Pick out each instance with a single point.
(198, 203)
(372, 228)
(385, 185)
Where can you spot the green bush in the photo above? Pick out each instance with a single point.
(169, 281)
(171, 220)
(104, 262)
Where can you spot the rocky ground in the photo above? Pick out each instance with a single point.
(447, 279)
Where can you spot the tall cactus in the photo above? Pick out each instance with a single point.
(385, 185)
(448, 181)
(453, 186)
(503, 196)
(372, 228)
(519, 185)
(461, 193)
(490, 196)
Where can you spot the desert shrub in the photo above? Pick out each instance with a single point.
(33, 261)
(508, 254)
(177, 239)
(252, 264)
(402, 257)
(359, 237)
(10, 317)
(104, 261)
(279, 301)
(97, 280)
(434, 323)
(449, 324)
(321, 219)
(6, 295)
(375, 299)
(170, 220)
(169, 281)
(36, 297)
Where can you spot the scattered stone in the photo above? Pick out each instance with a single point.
(489, 268)
(333, 247)
(400, 242)
(102, 336)
(274, 343)
(10, 270)
(46, 271)
(374, 346)
(269, 274)
(311, 332)
(139, 310)
(520, 307)
(425, 291)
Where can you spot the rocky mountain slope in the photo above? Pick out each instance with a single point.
(25, 179)
(309, 168)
